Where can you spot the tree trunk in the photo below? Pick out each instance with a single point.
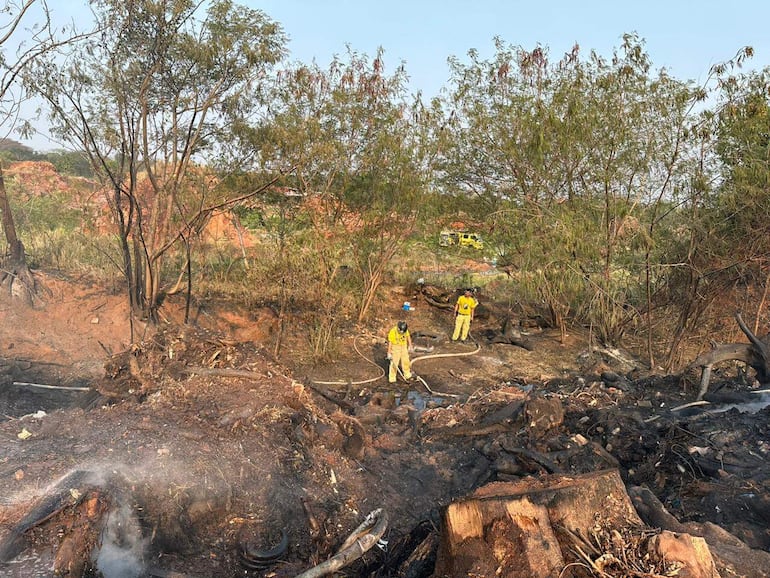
(14, 271)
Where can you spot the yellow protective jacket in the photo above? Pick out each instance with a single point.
(465, 305)
(397, 338)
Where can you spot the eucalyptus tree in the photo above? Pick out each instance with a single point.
(496, 151)
(737, 220)
(564, 161)
(152, 99)
(389, 176)
(646, 164)
(684, 256)
(344, 136)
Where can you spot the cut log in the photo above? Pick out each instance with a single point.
(692, 552)
(549, 526)
(69, 491)
(74, 556)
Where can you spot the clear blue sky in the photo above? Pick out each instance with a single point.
(684, 36)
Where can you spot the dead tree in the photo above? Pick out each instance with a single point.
(755, 354)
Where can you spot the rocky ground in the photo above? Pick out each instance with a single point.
(197, 453)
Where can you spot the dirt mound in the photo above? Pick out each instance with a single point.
(74, 326)
(39, 178)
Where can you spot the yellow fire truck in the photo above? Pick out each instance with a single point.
(461, 238)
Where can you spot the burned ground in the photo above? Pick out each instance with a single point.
(197, 452)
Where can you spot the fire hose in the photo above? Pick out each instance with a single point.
(382, 371)
(363, 382)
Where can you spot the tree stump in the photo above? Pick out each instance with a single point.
(534, 527)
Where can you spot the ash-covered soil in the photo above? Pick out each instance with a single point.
(181, 454)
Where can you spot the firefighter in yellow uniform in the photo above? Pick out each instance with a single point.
(464, 307)
(399, 344)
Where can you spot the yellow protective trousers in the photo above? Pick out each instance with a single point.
(462, 327)
(399, 356)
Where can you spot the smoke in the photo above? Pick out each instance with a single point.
(122, 550)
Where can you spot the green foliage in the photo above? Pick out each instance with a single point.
(221, 271)
(251, 218)
(11, 150)
(65, 162)
(70, 163)
(74, 253)
(743, 144)
(346, 136)
(593, 182)
(307, 277)
(153, 100)
(573, 166)
(55, 235)
(47, 214)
